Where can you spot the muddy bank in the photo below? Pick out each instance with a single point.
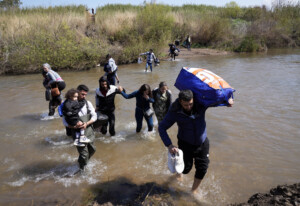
(195, 52)
(288, 195)
(124, 192)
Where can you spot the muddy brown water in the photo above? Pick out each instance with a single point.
(254, 145)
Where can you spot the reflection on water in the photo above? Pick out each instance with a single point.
(254, 145)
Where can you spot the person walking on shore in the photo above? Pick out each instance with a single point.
(188, 42)
(57, 84)
(192, 138)
(150, 59)
(143, 99)
(162, 101)
(87, 116)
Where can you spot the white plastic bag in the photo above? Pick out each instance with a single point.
(140, 60)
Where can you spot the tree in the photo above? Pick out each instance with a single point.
(7, 4)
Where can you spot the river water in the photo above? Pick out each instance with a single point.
(254, 145)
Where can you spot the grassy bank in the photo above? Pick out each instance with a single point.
(66, 38)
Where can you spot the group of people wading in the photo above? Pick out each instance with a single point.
(79, 116)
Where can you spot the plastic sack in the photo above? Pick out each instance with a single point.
(140, 60)
(208, 88)
(101, 120)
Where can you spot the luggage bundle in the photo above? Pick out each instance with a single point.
(208, 88)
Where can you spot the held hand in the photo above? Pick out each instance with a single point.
(84, 125)
(78, 125)
(231, 102)
(172, 149)
(120, 88)
(145, 96)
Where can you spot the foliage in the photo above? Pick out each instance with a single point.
(248, 45)
(7, 4)
(66, 38)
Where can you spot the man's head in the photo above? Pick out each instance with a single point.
(103, 83)
(82, 91)
(108, 56)
(163, 87)
(186, 100)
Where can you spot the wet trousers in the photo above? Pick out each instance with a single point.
(199, 154)
(139, 115)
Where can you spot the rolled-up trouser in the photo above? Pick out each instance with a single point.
(199, 154)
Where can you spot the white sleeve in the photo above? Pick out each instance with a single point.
(92, 111)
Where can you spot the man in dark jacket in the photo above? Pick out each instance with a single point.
(105, 103)
(192, 139)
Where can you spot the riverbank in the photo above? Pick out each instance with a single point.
(69, 39)
(153, 194)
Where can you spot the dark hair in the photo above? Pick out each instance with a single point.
(185, 95)
(70, 93)
(83, 87)
(44, 74)
(103, 79)
(145, 87)
(162, 84)
(108, 56)
(151, 50)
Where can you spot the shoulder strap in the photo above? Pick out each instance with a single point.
(87, 107)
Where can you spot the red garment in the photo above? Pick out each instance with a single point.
(104, 92)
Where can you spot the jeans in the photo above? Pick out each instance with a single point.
(150, 64)
(139, 114)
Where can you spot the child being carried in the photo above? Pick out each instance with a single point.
(70, 110)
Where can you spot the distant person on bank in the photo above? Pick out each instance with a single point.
(143, 99)
(192, 138)
(150, 59)
(162, 101)
(87, 116)
(56, 83)
(188, 42)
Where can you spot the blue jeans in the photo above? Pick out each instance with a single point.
(150, 64)
(139, 114)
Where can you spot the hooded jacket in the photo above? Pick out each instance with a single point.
(106, 103)
(191, 128)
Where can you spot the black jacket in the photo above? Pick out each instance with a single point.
(106, 103)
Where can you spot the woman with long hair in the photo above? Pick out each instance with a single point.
(143, 99)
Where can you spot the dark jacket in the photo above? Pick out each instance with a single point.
(141, 102)
(191, 129)
(106, 103)
(169, 96)
(70, 111)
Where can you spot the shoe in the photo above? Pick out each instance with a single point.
(171, 162)
(179, 163)
(84, 139)
(78, 144)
